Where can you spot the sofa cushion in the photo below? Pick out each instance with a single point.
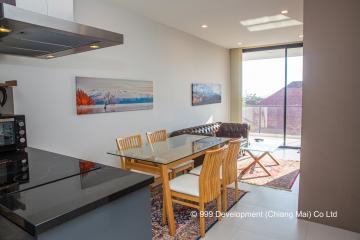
(218, 129)
(233, 130)
(206, 130)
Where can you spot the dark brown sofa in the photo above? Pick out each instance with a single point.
(218, 129)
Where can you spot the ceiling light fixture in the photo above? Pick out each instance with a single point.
(262, 20)
(5, 29)
(301, 36)
(94, 46)
(50, 56)
(204, 26)
(240, 43)
(274, 25)
(284, 12)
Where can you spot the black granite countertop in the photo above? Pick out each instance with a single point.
(9, 231)
(56, 192)
(42, 167)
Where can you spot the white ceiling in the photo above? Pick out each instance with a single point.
(223, 19)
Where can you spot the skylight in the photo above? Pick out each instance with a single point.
(266, 19)
(269, 22)
(273, 25)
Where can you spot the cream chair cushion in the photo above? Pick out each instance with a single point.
(197, 171)
(187, 184)
(185, 163)
(147, 173)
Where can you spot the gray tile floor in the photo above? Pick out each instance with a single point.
(272, 201)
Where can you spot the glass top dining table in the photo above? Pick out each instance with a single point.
(172, 149)
(167, 154)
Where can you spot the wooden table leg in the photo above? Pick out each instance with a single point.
(272, 157)
(256, 161)
(224, 198)
(261, 165)
(245, 170)
(124, 162)
(168, 202)
(236, 189)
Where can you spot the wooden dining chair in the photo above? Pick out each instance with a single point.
(161, 135)
(229, 174)
(132, 142)
(156, 136)
(228, 171)
(194, 191)
(135, 141)
(127, 143)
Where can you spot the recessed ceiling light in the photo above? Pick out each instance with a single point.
(274, 25)
(262, 20)
(50, 56)
(94, 46)
(204, 26)
(4, 29)
(240, 43)
(284, 12)
(301, 36)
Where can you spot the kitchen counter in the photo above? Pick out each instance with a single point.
(9, 231)
(40, 167)
(63, 195)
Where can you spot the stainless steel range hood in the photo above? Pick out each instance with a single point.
(25, 33)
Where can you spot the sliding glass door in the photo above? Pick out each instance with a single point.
(272, 93)
(263, 82)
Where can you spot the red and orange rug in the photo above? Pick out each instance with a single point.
(187, 227)
(282, 176)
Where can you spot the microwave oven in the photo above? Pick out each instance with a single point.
(12, 133)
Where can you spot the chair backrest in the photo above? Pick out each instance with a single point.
(156, 136)
(229, 165)
(129, 142)
(209, 183)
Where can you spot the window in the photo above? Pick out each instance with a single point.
(272, 93)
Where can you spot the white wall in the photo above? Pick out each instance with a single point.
(56, 8)
(170, 58)
(330, 161)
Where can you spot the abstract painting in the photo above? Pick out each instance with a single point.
(206, 93)
(101, 95)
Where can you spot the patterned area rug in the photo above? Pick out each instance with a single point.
(282, 176)
(187, 227)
